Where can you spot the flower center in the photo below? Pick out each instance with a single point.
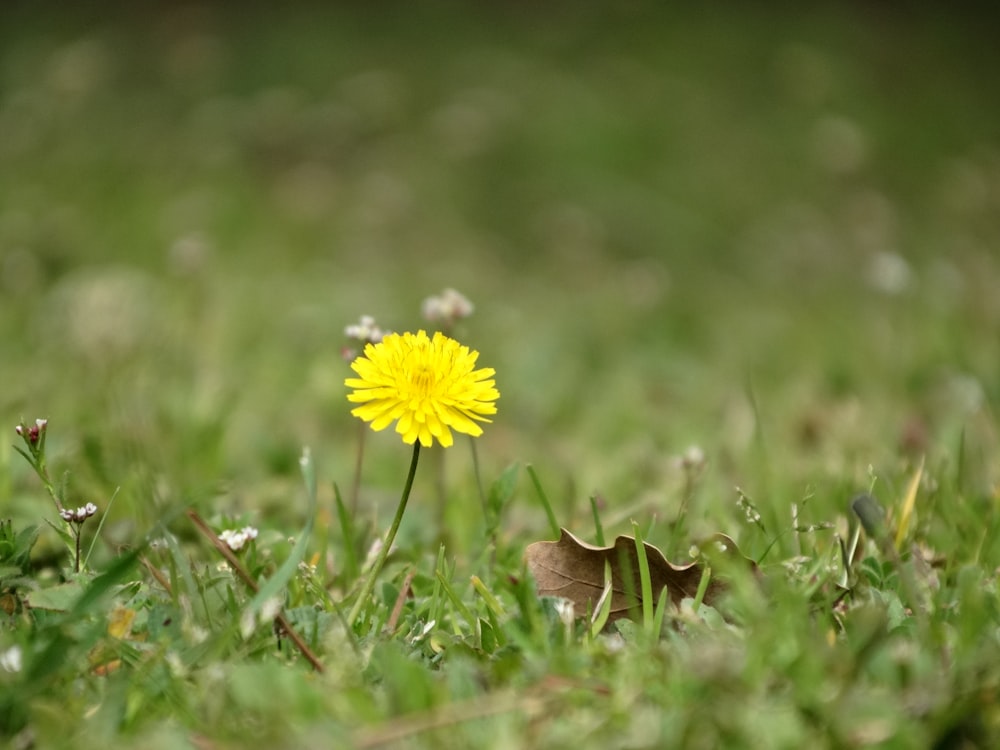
(423, 380)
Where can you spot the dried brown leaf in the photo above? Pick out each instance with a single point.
(574, 570)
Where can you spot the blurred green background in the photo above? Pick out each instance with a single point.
(772, 232)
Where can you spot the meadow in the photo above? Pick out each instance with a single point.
(736, 271)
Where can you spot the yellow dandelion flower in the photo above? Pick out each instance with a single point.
(427, 386)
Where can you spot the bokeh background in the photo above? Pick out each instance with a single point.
(767, 233)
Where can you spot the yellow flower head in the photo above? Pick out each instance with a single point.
(428, 386)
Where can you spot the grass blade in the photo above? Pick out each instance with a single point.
(909, 501)
(645, 583)
(456, 601)
(598, 526)
(661, 611)
(602, 610)
(492, 603)
(348, 534)
(543, 498)
(706, 577)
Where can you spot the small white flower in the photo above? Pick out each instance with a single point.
(446, 308)
(10, 660)
(32, 434)
(566, 611)
(79, 515)
(365, 330)
(307, 569)
(236, 538)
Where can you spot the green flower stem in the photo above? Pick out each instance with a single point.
(387, 545)
(37, 461)
(76, 533)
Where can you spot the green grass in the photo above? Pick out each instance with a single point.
(770, 235)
